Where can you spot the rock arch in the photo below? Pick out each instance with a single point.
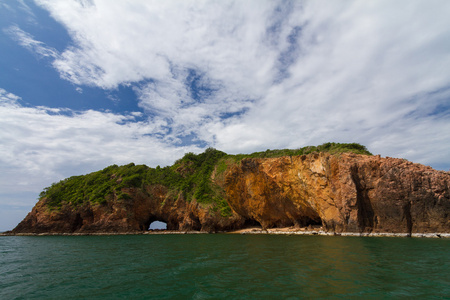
(158, 225)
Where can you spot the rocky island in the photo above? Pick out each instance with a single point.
(339, 188)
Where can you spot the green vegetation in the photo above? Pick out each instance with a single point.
(190, 175)
(333, 148)
(94, 187)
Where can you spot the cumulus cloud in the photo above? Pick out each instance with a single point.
(279, 73)
(128, 42)
(240, 76)
(41, 145)
(189, 101)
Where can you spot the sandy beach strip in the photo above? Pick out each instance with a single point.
(252, 230)
(307, 231)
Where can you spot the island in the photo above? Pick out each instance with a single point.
(332, 188)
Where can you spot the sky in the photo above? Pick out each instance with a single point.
(86, 84)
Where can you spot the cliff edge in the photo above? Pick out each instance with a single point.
(337, 191)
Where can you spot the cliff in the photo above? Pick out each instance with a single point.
(340, 191)
(343, 193)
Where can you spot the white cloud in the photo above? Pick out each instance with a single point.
(26, 7)
(270, 74)
(302, 72)
(27, 40)
(117, 42)
(41, 145)
(282, 73)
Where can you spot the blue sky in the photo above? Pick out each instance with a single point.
(87, 84)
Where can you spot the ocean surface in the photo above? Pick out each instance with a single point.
(223, 266)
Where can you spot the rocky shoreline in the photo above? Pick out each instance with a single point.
(158, 232)
(288, 231)
(271, 231)
(314, 194)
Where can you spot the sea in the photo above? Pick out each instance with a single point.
(223, 266)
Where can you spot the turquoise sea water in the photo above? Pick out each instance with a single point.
(223, 266)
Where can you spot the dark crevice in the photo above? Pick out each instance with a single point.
(251, 223)
(365, 209)
(78, 222)
(196, 224)
(407, 213)
(307, 221)
(146, 225)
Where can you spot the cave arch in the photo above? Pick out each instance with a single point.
(251, 223)
(306, 221)
(157, 225)
(169, 222)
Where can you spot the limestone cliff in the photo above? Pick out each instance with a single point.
(343, 192)
(347, 192)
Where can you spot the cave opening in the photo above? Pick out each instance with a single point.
(154, 223)
(157, 225)
(78, 222)
(251, 223)
(314, 222)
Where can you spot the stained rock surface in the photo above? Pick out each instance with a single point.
(340, 193)
(343, 193)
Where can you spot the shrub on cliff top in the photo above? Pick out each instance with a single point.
(333, 148)
(96, 187)
(93, 187)
(190, 175)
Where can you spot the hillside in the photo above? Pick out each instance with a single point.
(339, 187)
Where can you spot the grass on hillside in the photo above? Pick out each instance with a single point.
(190, 175)
(333, 148)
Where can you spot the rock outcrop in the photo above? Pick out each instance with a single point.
(343, 193)
(340, 193)
(155, 203)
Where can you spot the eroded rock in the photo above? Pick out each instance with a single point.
(339, 193)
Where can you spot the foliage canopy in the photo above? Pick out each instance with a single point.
(190, 175)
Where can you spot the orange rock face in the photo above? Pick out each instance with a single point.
(340, 193)
(135, 214)
(344, 193)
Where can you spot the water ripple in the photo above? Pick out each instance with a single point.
(222, 267)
